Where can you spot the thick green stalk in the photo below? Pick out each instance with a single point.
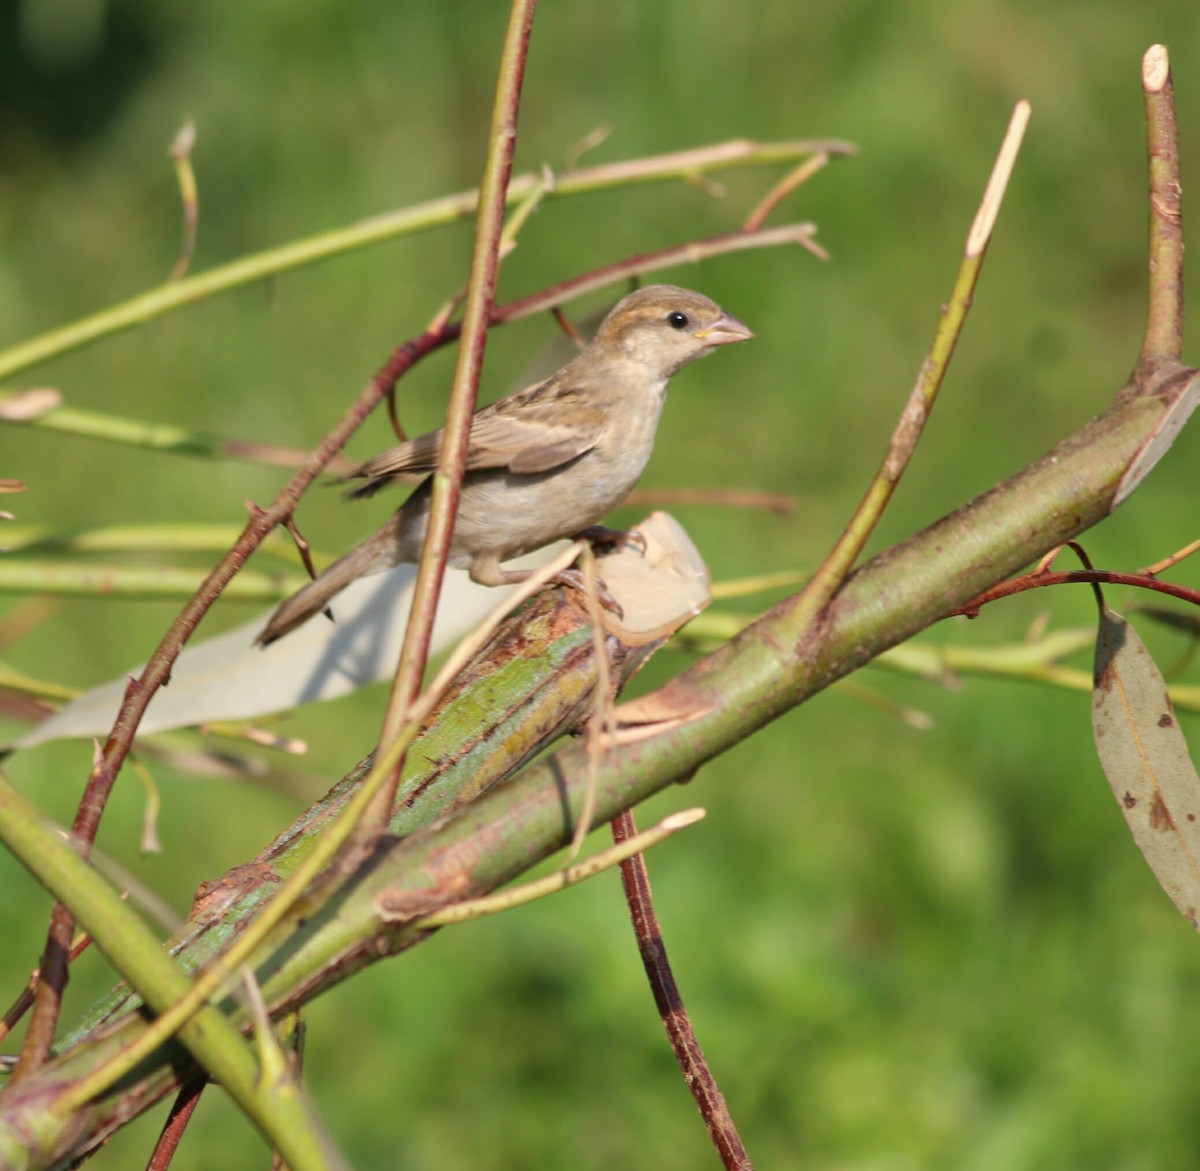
(138, 955)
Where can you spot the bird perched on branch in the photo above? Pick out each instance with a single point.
(545, 463)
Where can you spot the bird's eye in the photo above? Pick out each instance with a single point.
(677, 320)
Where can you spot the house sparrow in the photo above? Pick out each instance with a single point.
(545, 463)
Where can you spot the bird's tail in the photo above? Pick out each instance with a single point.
(379, 552)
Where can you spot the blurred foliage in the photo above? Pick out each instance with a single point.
(903, 949)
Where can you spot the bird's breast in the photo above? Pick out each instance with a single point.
(512, 514)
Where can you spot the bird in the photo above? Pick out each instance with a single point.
(545, 463)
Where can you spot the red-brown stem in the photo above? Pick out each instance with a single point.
(24, 1000)
(568, 327)
(1034, 581)
(671, 1008)
(169, 1139)
(452, 457)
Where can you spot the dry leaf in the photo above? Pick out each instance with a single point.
(1145, 757)
(660, 588)
(229, 678)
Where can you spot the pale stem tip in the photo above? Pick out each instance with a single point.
(993, 196)
(1156, 68)
(683, 818)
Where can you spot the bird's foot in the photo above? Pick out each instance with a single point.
(615, 538)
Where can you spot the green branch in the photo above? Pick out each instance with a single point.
(138, 955)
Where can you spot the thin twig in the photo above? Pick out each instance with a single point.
(1038, 580)
(24, 999)
(1172, 560)
(181, 156)
(539, 888)
(833, 571)
(568, 327)
(795, 178)
(36, 408)
(173, 1129)
(59, 578)
(696, 1073)
(588, 142)
(452, 456)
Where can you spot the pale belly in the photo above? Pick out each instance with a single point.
(536, 510)
(514, 514)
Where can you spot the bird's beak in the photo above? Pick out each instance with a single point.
(724, 330)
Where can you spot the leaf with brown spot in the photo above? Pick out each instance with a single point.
(1145, 757)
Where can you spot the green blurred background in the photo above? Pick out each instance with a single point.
(902, 949)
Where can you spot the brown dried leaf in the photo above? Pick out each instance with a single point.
(660, 587)
(1145, 757)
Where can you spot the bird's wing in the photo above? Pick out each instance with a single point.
(535, 430)
(414, 455)
(534, 437)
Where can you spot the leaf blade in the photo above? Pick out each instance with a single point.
(1145, 758)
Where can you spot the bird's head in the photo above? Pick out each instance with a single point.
(664, 328)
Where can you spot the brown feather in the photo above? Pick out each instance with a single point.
(547, 462)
